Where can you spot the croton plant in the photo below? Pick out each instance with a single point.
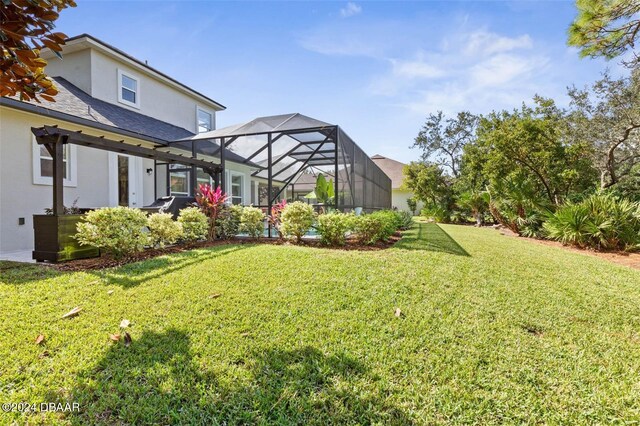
(211, 202)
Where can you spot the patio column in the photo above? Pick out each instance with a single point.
(223, 178)
(270, 179)
(335, 175)
(57, 152)
(194, 170)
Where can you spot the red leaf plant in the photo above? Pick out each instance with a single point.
(274, 217)
(211, 203)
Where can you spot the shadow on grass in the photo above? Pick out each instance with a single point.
(134, 274)
(157, 381)
(430, 237)
(129, 275)
(17, 273)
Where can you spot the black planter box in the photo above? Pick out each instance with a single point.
(53, 239)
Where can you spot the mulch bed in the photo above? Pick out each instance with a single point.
(107, 261)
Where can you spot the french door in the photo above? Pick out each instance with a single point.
(125, 175)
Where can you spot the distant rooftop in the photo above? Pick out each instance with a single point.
(391, 168)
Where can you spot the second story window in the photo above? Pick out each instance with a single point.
(128, 89)
(205, 120)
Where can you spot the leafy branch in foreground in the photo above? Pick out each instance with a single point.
(27, 27)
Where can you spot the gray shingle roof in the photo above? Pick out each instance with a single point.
(71, 100)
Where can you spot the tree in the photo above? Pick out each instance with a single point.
(532, 143)
(607, 116)
(27, 27)
(442, 140)
(606, 28)
(430, 185)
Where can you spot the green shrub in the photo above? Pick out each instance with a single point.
(368, 228)
(412, 203)
(229, 221)
(531, 226)
(120, 231)
(333, 227)
(601, 221)
(405, 220)
(163, 229)
(437, 213)
(297, 218)
(391, 222)
(195, 224)
(252, 221)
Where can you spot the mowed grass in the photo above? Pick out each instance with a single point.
(494, 330)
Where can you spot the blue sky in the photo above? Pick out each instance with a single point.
(375, 68)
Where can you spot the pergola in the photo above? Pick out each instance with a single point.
(285, 145)
(54, 138)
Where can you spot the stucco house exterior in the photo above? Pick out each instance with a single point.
(399, 194)
(103, 92)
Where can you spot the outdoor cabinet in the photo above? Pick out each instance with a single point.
(54, 239)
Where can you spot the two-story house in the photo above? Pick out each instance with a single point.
(107, 93)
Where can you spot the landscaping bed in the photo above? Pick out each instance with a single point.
(108, 261)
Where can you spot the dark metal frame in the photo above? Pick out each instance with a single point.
(309, 152)
(54, 139)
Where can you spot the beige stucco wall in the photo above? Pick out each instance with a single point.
(157, 99)
(399, 200)
(20, 197)
(75, 68)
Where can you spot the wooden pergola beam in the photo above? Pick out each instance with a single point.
(49, 134)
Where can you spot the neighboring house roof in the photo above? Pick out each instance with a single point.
(77, 106)
(83, 39)
(391, 168)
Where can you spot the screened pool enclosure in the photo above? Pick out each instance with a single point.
(280, 149)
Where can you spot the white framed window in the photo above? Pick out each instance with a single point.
(236, 187)
(128, 89)
(43, 165)
(203, 178)
(204, 120)
(178, 180)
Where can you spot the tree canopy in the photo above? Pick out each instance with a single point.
(442, 139)
(607, 116)
(27, 27)
(606, 27)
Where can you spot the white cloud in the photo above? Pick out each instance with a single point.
(483, 42)
(416, 69)
(447, 67)
(503, 69)
(465, 71)
(350, 9)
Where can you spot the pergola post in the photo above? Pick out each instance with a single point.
(223, 178)
(335, 175)
(269, 179)
(194, 169)
(58, 175)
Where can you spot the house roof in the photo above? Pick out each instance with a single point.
(77, 106)
(391, 168)
(71, 100)
(81, 41)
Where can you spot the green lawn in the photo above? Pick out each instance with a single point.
(494, 330)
